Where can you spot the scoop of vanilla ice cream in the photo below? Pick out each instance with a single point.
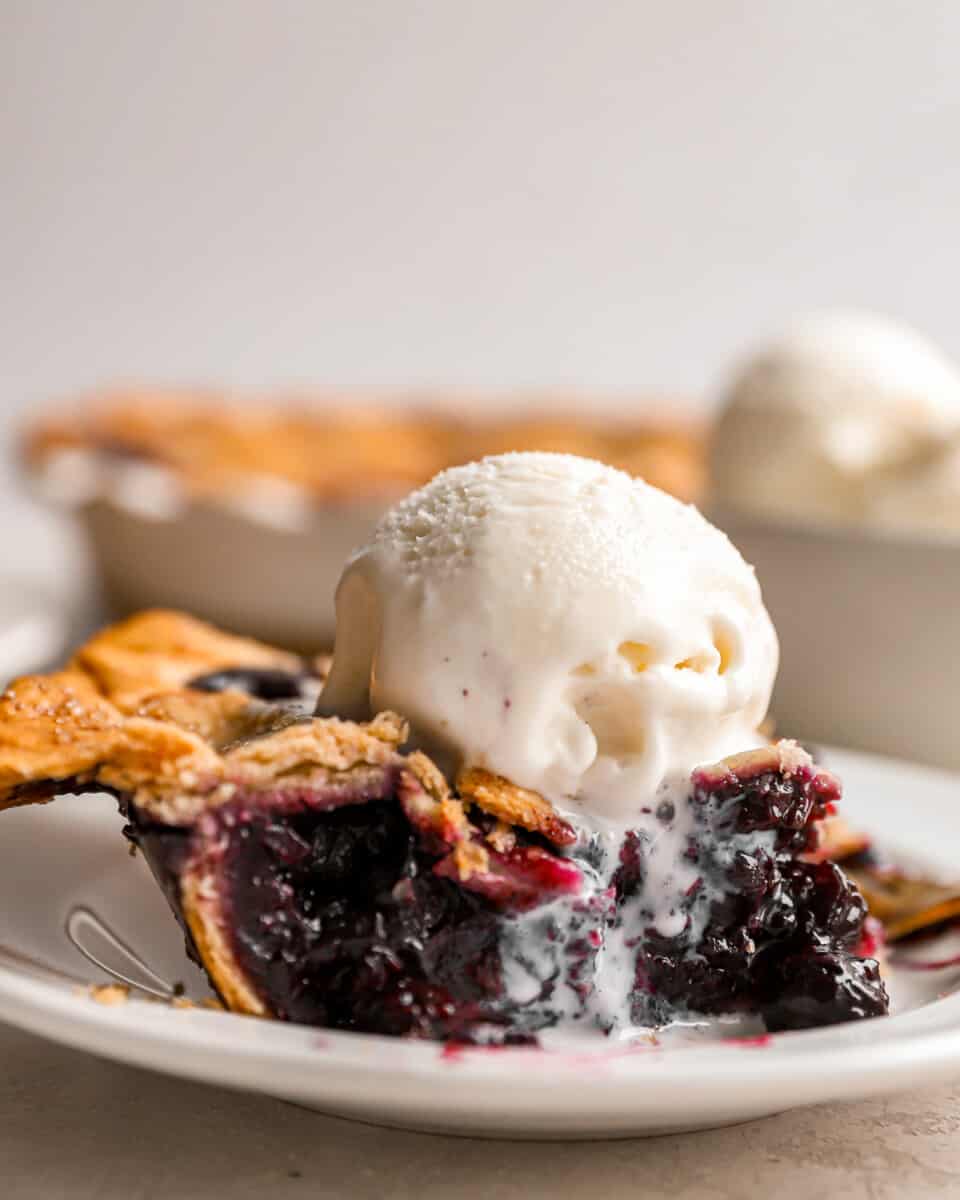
(812, 424)
(923, 497)
(559, 623)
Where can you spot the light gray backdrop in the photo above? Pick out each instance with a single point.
(509, 193)
(515, 193)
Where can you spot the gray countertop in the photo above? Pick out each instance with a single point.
(77, 1127)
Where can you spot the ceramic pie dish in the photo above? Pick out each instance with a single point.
(880, 609)
(178, 494)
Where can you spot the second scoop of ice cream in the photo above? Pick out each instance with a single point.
(825, 424)
(559, 623)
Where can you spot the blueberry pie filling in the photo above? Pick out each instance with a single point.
(262, 683)
(325, 874)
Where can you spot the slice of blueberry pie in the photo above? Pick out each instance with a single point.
(574, 822)
(324, 875)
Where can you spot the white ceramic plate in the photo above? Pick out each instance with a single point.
(68, 858)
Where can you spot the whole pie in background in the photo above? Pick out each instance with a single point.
(187, 500)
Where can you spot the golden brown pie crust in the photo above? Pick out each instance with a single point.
(338, 452)
(513, 805)
(120, 716)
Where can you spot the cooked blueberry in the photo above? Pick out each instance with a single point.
(265, 683)
(628, 877)
(817, 987)
(776, 917)
(751, 872)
